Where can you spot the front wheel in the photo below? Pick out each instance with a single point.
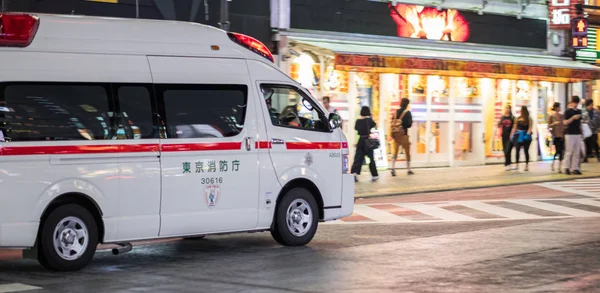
(67, 239)
(296, 218)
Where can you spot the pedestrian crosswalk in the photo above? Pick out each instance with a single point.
(482, 210)
(17, 287)
(586, 187)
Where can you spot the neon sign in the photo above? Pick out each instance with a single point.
(415, 21)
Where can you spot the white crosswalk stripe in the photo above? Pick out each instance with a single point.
(17, 287)
(378, 215)
(587, 187)
(496, 210)
(585, 201)
(436, 212)
(554, 208)
(465, 211)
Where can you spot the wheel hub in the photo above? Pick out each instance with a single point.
(71, 238)
(299, 217)
(68, 237)
(296, 216)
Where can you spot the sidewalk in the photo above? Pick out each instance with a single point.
(444, 179)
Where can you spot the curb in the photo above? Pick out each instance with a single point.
(380, 195)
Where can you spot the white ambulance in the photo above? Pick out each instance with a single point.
(116, 130)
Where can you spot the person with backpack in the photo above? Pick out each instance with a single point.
(401, 122)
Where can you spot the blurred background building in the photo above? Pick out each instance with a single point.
(460, 62)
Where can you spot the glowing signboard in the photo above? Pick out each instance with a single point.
(415, 21)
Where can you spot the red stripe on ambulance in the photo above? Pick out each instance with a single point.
(76, 149)
(313, 145)
(195, 147)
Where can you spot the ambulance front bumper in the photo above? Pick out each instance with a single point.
(347, 203)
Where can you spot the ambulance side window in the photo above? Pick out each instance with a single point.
(56, 111)
(136, 118)
(288, 107)
(202, 111)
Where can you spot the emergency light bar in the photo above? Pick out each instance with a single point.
(252, 44)
(17, 30)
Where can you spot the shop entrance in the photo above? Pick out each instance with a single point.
(447, 116)
(468, 144)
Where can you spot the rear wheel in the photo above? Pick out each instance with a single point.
(296, 218)
(68, 238)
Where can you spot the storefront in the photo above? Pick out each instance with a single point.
(457, 90)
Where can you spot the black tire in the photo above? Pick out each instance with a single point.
(47, 254)
(280, 231)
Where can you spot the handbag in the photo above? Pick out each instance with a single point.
(397, 130)
(371, 143)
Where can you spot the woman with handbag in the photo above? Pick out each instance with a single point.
(365, 145)
(521, 136)
(401, 122)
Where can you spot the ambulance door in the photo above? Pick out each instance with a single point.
(209, 159)
(302, 142)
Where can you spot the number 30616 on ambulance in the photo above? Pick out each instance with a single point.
(117, 130)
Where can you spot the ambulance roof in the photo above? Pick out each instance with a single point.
(85, 34)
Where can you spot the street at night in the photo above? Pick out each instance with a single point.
(526, 238)
(300, 146)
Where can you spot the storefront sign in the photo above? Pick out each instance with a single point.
(421, 22)
(461, 68)
(561, 13)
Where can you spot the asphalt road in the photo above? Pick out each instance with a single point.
(556, 252)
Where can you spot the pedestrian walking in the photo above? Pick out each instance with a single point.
(401, 122)
(365, 145)
(573, 137)
(591, 117)
(506, 123)
(521, 136)
(557, 129)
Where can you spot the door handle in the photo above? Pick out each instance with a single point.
(248, 144)
(277, 141)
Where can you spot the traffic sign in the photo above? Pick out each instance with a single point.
(579, 33)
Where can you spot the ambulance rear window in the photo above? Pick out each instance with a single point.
(49, 112)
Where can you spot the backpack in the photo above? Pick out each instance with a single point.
(397, 130)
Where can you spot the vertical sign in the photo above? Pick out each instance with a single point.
(561, 12)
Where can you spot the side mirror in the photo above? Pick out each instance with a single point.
(334, 120)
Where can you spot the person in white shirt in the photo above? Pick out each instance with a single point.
(330, 109)
(327, 105)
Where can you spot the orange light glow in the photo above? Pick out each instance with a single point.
(575, 42)
(584, 42)
(580, 26)
(421, 22)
